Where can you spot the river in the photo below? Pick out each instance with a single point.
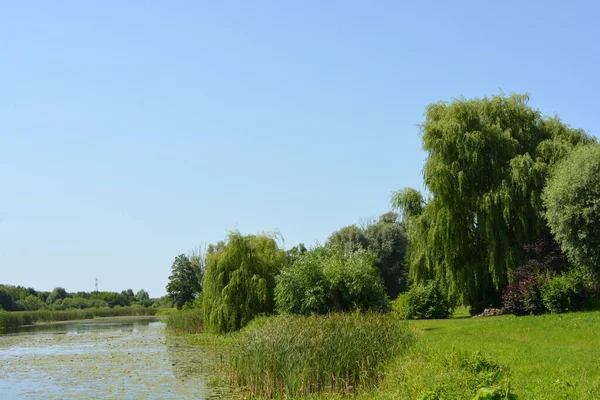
(114, 358)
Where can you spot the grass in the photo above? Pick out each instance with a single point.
(186, 321)
(539, 357)
(14, 319)
(299, 356)
(373, 356)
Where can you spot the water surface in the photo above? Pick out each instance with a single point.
(124, 358)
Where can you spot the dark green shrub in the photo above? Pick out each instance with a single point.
(423, 302)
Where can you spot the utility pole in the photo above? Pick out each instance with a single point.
(96, 285)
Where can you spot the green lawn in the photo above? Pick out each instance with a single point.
(547, 357)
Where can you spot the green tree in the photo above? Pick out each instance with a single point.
(487, 164)
(143, 298)
(387, 239)
(240, 280)
(184, 284)
(572, 199)
(58, 293)
(31, 303)
(351, 238)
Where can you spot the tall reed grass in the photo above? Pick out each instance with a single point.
(297, 356)
(186, 321)
(15, 319)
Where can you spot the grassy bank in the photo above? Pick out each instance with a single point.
(376, 356)
(541, 357)
(297, 356)
(20, 318)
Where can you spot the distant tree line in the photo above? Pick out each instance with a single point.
(19, 298)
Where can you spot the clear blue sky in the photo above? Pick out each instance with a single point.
(133, 131)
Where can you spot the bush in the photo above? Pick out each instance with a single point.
(292, 356)
(423, 302)
(302, 287)
(330, 279)
(564, 292)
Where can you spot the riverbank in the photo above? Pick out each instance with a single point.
(537, 357)
(13, 319)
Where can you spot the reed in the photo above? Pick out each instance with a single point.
(186, 321)
(297, 356)
(15, 319)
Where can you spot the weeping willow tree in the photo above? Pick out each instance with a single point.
(487, 165)
(239, 280)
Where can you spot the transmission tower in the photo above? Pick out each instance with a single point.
(96, 285)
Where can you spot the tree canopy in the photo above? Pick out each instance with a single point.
(387, 239)
(572, 199)
(240, 280)
(487, 164)
(185, 282)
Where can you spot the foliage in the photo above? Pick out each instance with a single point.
(186, 321)
(296, 356)
(544, 257)
(487, 164)
(409, 201)
(572, 199)
(354, 281)
(302, 287)
(423, 302)
(240, 280)
(565, 292)
(57, 293)
(329, 279)
(185, 281)
(385, 238)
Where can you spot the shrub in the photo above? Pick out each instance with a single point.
(291, 356)
(423, 302)
(329, 279)
(302, 287)
(564, 292)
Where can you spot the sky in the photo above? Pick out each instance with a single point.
(131, 132)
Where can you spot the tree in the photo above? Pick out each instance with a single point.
(487, 164)
(143, 298)
(387, 239)
(572, 199)
(239, 280)
(58, 293)
(351, 237)
(184, 285)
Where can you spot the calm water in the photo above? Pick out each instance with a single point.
(120, 358)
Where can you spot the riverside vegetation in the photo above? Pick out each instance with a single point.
(509, 220)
